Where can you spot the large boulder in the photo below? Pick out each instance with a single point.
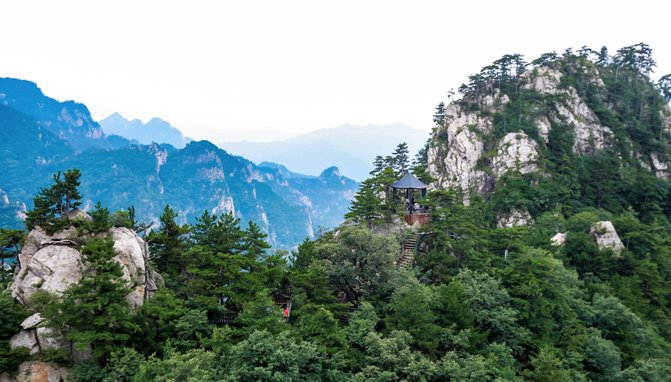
(37, 371)
(558, 240)
(53, 262)
(514, 218)
(606, 237)
(52, 268)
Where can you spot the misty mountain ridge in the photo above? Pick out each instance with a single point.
(350, 147)
(40, 136)
(68, 120)
(155, 130)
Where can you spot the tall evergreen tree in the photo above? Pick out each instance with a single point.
(52, 205)
(167, 246)
(94, 311)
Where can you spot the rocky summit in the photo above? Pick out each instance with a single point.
(555, 122)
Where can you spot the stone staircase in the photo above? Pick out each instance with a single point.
(407, 252)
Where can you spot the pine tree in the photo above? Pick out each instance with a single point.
(100, 219)
(167, 245)
(94, 311)
(53, 205)
(401, 159)
(439, 115)
(366, 206)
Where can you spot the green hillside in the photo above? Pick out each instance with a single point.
(547, 256)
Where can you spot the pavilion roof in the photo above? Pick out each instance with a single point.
(409, 181)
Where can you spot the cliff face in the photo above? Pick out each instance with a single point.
(68, 120)
(554, 118)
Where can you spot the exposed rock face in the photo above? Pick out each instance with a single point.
(459, 158)
(545, 81)
(53, 263)
(590, 135)
(455, 164)
(606, 237)
(37, 371)
(513, 219)
(516, 152)
(558, 240)
(52, 268)
(660, 167)
(25, 339)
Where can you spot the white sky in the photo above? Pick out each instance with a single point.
(263, 70)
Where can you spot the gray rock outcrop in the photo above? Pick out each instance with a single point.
(514, 218)
(590, 135)
(558, 240)
(53, 263)
(467, 155)
(606, 237)
(456, 163)
(516, 152)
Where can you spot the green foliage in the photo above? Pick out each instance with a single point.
(358, 262)
(167, 246)
(411, 311)
(100, 219)
(549, 367)
(123, 365)
(87, 371)
(166, 318)
(52, 205)
(11, 315)
(194, 365)
(269, 357)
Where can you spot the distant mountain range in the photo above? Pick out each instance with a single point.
(154, 131)
(350, 147)
(40, 135)
(69, 120)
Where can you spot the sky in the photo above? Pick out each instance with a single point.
(269, 70)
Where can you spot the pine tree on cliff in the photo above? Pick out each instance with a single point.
(52, 205)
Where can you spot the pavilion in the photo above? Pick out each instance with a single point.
(411, 185)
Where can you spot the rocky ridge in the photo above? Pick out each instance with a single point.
(472, 149)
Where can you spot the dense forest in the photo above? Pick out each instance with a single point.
(481, 301)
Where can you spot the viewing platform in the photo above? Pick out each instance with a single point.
(415, 213)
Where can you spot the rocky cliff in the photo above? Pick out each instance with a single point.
(52, 263)
(551, 122)
(69, 120)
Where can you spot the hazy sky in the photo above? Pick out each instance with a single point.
(261, 70)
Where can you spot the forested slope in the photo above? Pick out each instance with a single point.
(547, 257)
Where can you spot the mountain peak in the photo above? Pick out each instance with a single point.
(155, 130)
(331, 172)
